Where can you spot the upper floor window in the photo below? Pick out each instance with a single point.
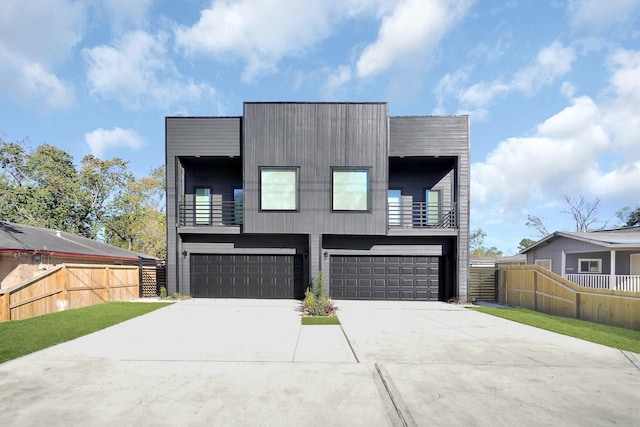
(350, 189)
(278, 188)
(589, 265)
(202, 206)
(432, 198)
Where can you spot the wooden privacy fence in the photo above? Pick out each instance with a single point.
(69, 286)
(482, 283)
(539, 289)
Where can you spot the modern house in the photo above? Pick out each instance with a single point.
(608, 259)
(26, 251)
(258, 205)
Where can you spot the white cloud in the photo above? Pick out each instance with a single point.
(335, 82)
(137, 72)
(586, 148)
(410, 31)
(560, 158)
(35, 36)
(598, 15)
(262, 32)
(621, 116)
(551, 63)
(126, 12)
(102, 140)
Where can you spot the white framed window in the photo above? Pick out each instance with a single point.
(544, 263)
(278, 188)
(589, 265)
(350, 189)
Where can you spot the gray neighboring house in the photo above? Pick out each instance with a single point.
(608, 259)
(258, 205)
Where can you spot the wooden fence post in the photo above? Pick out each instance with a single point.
(577, 305)
(108, 273)
(6, 307)
(535, 290)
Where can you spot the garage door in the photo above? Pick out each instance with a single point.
(385, 277)
(246, 276)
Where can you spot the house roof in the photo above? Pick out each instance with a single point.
(622, 238)
(25, 238)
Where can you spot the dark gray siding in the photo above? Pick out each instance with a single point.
(441, 137)
(315, 138)
(191, 136)
(203, 136)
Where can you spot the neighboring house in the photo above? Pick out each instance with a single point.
(607, 259)
(25, 251)
(260, 204)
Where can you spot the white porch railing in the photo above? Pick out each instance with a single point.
(628, 283)
(603, 281)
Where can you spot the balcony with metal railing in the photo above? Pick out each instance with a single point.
(421, 215)
(212, 214)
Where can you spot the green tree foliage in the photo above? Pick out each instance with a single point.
(100, 199)
(136, 219)
(525, 243)
(476, 243)
(629, 217)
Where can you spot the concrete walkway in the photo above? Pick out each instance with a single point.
(249, 362)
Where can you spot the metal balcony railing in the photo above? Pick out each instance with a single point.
(214, 213)
(421, 215)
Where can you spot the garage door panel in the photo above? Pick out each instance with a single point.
(385, 277)
(246, 276)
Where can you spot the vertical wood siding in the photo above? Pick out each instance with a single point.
(315, 138)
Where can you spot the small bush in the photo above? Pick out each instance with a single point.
(316, 300)
(163, 292)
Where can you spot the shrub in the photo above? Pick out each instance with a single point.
(163, 292)
(316, 300)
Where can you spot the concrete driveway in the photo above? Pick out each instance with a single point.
(239, 362)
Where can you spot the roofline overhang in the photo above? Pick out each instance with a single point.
(611, 246)
(71, 254)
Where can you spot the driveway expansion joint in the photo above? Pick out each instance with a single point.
(632, 357)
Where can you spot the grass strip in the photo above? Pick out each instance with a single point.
(611, 336)
(320, 320)
(22, 337)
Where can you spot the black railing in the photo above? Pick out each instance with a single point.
(218, 214)
(421, 215)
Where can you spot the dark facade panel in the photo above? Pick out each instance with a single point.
(428, 136)
(315, 137)
(203, 136)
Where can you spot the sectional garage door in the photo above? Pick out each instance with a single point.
(385, 277)
(246, 276)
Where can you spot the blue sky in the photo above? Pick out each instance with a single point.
(552, 87)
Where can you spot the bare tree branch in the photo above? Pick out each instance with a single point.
(583, 211)
(537, 223)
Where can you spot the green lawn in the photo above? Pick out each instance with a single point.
(623, 339)
(320, 321)
(21, 337)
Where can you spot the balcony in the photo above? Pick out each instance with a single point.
(421, 215)
(630, 283)
(212, 214)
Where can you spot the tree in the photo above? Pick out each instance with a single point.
(537, 223)
(101, 199)
(136, 220)
(476, 243)
(583, 211)
(629, 217)
(525, 243)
